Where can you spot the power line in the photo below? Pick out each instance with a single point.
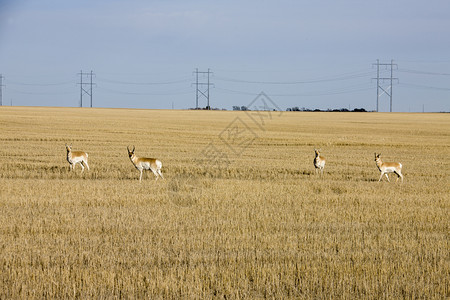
(423, 72)
(324, 79)
(349, 81)
(1, 90)
(82, 89)
(167, 93)
(39, 84)
(200, 89)
(40, 93)
(388, 90)
(144, 83)
(425, 87)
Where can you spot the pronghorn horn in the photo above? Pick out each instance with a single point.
(133, 148)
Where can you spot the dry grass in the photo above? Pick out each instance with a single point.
(262, 225)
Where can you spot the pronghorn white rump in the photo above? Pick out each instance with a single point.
(388, 167)
(319, 161)
(77, 157)
(143, 163)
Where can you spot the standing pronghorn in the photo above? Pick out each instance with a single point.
(143, 163)
(388, 167)
(76, 157)
(319, 162)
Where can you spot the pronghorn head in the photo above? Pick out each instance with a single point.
(317, 152)
(377, 157)
(68, 148)
(130, 153)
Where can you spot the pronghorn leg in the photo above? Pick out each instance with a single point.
(86, 164)
(156, 174)
(82, 167)
(387, 176)
(160, 174)
(399, 175)
(140, 177)
(381, 177)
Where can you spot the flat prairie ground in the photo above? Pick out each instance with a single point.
(241, 212)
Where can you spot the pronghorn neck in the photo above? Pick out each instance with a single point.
(69, 151)
(134, 158)
(379, 163)
(69, 154)
(317, 153)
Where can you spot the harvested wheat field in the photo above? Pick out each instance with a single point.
(240, 213)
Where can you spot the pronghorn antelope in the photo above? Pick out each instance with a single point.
(388, 167)
(77, 157)
(143, 163)
(319, 161)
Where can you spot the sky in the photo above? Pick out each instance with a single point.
(307, 54)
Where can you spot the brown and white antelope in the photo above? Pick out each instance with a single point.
(319, 162)
(388, 167)
(77, 157)
(143, 163)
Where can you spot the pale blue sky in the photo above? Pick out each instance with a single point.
(314, 54)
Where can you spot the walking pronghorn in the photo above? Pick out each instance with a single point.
(143, 163)
(319, 162)
(388, 167)
(76, 157)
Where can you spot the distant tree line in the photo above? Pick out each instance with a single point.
(296, 108)
(243, 108)
(207, 108)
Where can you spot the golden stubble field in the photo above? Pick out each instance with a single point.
(241, 213)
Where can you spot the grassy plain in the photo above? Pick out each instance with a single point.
(241, 213)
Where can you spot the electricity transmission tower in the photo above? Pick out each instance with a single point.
(385, 90)
(89, 83)
(1, 91)
(200, 88)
